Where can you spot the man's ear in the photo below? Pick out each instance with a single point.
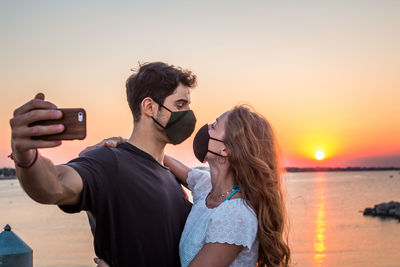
(149, 107)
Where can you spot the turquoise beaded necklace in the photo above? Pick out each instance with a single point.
(236, 189)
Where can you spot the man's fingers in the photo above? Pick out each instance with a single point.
(35, 110)
(42, 114)
(38, 115)
(39, 96)
(22, 145)
(34, 104)
(25, 132)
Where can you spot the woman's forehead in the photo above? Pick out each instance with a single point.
(224, 116)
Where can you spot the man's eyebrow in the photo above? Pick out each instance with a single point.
(182, 100)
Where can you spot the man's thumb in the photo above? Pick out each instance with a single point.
(39, 96)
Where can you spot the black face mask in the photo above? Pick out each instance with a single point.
(180, 125)
(200, 144)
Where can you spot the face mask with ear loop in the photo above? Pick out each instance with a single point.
(180, 125)
(200, 144)
(200, 149)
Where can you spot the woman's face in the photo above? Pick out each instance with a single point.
(217, 130)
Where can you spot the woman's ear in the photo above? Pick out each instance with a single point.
(148, 107)
(224, 152)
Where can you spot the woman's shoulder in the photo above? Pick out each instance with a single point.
(237, 207)
(199, 181)
(233, 222)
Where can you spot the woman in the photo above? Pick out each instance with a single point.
(238, 217)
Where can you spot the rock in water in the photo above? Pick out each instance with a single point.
(386, 209)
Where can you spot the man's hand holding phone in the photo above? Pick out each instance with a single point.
(37, 109)
(39, 124)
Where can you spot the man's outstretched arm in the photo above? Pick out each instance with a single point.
(43, 181)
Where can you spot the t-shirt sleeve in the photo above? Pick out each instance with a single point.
(96, 168)
(198, 182)
(234, 223)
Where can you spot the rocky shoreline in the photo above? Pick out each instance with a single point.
(384, 210)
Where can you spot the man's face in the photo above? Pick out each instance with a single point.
(178, 101)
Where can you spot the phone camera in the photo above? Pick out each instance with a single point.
(80, 116)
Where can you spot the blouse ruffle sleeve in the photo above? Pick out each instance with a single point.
(199, 182)
(234, 223)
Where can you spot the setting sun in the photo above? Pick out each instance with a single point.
(320, 155)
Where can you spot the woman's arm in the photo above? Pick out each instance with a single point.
(216, 255)
(179, 169)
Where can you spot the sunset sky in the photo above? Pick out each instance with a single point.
(325, 74)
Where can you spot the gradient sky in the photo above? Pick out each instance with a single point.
(325, 74)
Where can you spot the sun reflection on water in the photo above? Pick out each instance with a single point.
(320, 222)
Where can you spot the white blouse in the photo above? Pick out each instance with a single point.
(232, 222)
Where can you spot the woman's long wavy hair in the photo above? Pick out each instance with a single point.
(253, 158)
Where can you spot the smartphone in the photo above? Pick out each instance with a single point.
(74, 121)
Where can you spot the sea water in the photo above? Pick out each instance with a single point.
(327, 227)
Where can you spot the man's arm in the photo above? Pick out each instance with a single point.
(43, 181)
(49, 184)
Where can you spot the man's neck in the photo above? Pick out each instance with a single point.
(147, 142)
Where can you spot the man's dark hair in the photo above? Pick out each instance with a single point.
(157, 80)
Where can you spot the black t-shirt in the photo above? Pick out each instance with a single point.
(136, 207)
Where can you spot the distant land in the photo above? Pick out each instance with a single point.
(328, 169)
(9, 173)
(346, 169)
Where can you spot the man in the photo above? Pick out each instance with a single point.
(137, 206)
